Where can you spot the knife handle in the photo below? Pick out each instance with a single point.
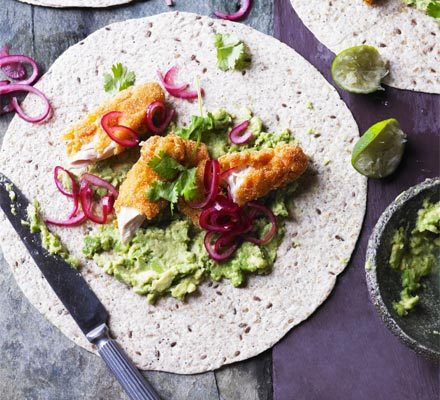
(134, 384)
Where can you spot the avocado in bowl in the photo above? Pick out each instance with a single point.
(403, 267)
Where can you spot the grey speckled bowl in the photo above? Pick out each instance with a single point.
(417, 329)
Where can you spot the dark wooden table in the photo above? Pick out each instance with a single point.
(316, 360)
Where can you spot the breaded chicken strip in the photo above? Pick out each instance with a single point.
(132, 205)
(259, 172)
(87, 141)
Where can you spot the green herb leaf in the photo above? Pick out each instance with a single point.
(232, 53)
(216, 121)
(184, 186)
(433, 9)
(187, 184)
(120, 80)
(166, 166)
(163, 190)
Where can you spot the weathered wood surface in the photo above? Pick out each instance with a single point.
(36, 360)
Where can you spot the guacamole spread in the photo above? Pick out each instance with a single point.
(416, 255)
(50, 241)
(168, 256)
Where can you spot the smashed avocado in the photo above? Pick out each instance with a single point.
(416, 255)
(168, 257)
(172, 260)
(50, 241)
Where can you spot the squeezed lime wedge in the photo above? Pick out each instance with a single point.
(359, 69)
(379, 150)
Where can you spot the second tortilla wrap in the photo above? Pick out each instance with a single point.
(408, 38)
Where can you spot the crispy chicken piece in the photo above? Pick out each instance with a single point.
(87, 141)
(259, 172)
(370, 2)
(132, 205)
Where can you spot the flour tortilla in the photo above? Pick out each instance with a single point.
(76, 3)
(221, 324)
(408, 38)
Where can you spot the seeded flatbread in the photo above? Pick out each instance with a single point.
(76, 3)
(408, 38)
(221, 324)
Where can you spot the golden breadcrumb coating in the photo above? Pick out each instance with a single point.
(141, 176)
(133, 102)
(269, 169)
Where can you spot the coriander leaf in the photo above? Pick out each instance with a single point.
(163, 190)
(187, 184)
(218, 120)
(184, 186)
(166, 166)
(232, 53)
(433, 9)
(121, 79)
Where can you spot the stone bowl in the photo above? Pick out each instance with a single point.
(420, 329)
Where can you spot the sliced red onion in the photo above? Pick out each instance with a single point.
(237, 136)
(185, 95)
(222, 243)
(7, 61)
(157, 110)
(4, 82)
(99, 182)
(270, 216)
(86, 197)
(73, 220)
(132, 139)
(225, 174)
(13, 70)
(212, 170)
(19, 87)
(59, 185)
(241, 13)
(168, 80)
(175, 90)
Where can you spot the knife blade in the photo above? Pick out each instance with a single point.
(67, 282)
(75, 294)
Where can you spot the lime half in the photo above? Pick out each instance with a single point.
(379, 150)
(359, 69)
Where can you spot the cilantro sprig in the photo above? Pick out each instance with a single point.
(183, 180)
(232, 53)
(120, 78)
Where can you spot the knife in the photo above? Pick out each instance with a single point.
(73, 291)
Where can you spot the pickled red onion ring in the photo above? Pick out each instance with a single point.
(179, 91)
(59, 185)
(270, 216)
(212, 169)
(19, 87)
(73, 220)
(237, 136)
(7, 61)
(211, 248)
(241, 13)
(132, 139)
(99, 182)
(12, 70)
(165, 116)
